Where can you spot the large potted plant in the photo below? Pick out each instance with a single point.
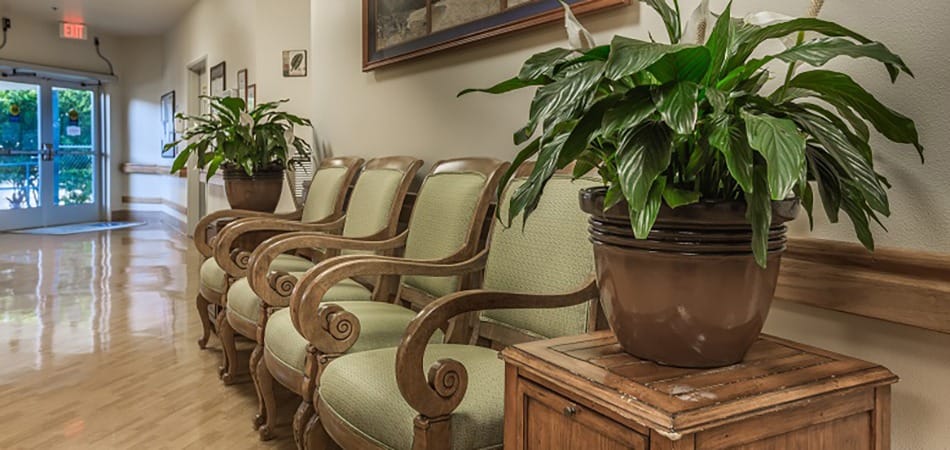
(253, 148)
(703, 162)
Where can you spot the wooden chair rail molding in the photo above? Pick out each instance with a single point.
(900, 286)
(151, 169)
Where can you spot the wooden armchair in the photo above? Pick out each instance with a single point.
(420, 395)
(372, 213)
(226, 251)
(445, 227)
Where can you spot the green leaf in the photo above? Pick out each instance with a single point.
(563, 97)
(818, 52)
(508, 86)
(670, 16)
(688, 63)
(614, 196)
(645, 153)
(643, 219)
(852, 204)
(676, 197)
(838, 88)
(629, 56)
(719, 42)
(807, 196)
(732, 142)
(719, 100)
(678, 106)
(526, 197)
(759, 214)
(543, 64)
(826, 175)
(782, 145)
(751, 37)
(635, 107)
(181, 160)
(585, 130)
(234, 104)
(525, 154)
(213, 166)
(832, 136)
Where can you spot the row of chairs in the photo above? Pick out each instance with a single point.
(390, 336)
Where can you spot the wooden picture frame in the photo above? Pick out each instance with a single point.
(295, 63)
(421, 35)
(251, 97)
(168, 124)
(242, 84)
(219, 79)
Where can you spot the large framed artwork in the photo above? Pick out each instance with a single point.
(397, 30)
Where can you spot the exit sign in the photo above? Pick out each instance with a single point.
(69, 30)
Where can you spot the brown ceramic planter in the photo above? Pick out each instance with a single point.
(260, 192)
(691, 295)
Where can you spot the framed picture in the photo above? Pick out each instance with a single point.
(252, 96)
(168, 124)
(295, 63)
(219, 79)
(398, 30)
(242, 84)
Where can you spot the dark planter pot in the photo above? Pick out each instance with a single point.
(260, 192)
(691, 295)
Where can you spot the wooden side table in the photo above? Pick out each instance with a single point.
(583, 392)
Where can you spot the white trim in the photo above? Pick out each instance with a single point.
(54, 73)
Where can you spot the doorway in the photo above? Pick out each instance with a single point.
(50, 157)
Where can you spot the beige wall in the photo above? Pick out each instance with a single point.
(411, 109)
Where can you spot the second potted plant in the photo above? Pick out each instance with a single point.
(703, 163)
(253, 148)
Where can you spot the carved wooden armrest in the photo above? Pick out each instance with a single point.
(201, 231)
(234, 260)
(439, 392)
(329, 327)
(274, 288)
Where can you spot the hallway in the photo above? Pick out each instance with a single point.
(100, 347)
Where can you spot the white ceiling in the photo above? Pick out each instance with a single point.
(120, 17)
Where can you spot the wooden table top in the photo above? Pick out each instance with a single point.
(774, 375)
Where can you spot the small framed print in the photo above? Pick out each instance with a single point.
(219, 79)
(295, 63)
(252, 96)
(168, 124)
(242, 84)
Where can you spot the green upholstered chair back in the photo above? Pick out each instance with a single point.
(377, 198)
(448, 215)
(325, 191)
(551, 254)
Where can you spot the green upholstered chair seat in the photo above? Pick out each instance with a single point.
(382, 325)
(244, 302)
(361, 390)
(215, 278)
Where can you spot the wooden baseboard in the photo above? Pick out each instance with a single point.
(158, 217)
(900, 286)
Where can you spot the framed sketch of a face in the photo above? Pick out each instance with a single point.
(397, 30)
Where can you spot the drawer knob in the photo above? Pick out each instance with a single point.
(570, 411)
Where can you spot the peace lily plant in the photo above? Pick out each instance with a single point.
(703, 161)
(253, 147)
(695, 120)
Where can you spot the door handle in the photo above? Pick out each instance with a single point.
(47, 153)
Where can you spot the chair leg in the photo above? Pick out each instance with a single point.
(315, 437)
(304, 413)
(230, 368)
(265, 385)
(202, 304)
(256, 357)
(432, 433)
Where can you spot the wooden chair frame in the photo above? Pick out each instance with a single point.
(387, 289)
(230, 248)
(437, 395)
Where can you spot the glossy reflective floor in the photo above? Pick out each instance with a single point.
(99, 349)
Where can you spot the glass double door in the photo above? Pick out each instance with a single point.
(50, 158)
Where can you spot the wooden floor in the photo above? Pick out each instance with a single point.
(99, 349)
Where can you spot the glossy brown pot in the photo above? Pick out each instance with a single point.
(691, 295)
(260, 192)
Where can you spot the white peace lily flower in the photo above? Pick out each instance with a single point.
(578, 36)
(289, 137)
(247, 120)
(697, 28)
